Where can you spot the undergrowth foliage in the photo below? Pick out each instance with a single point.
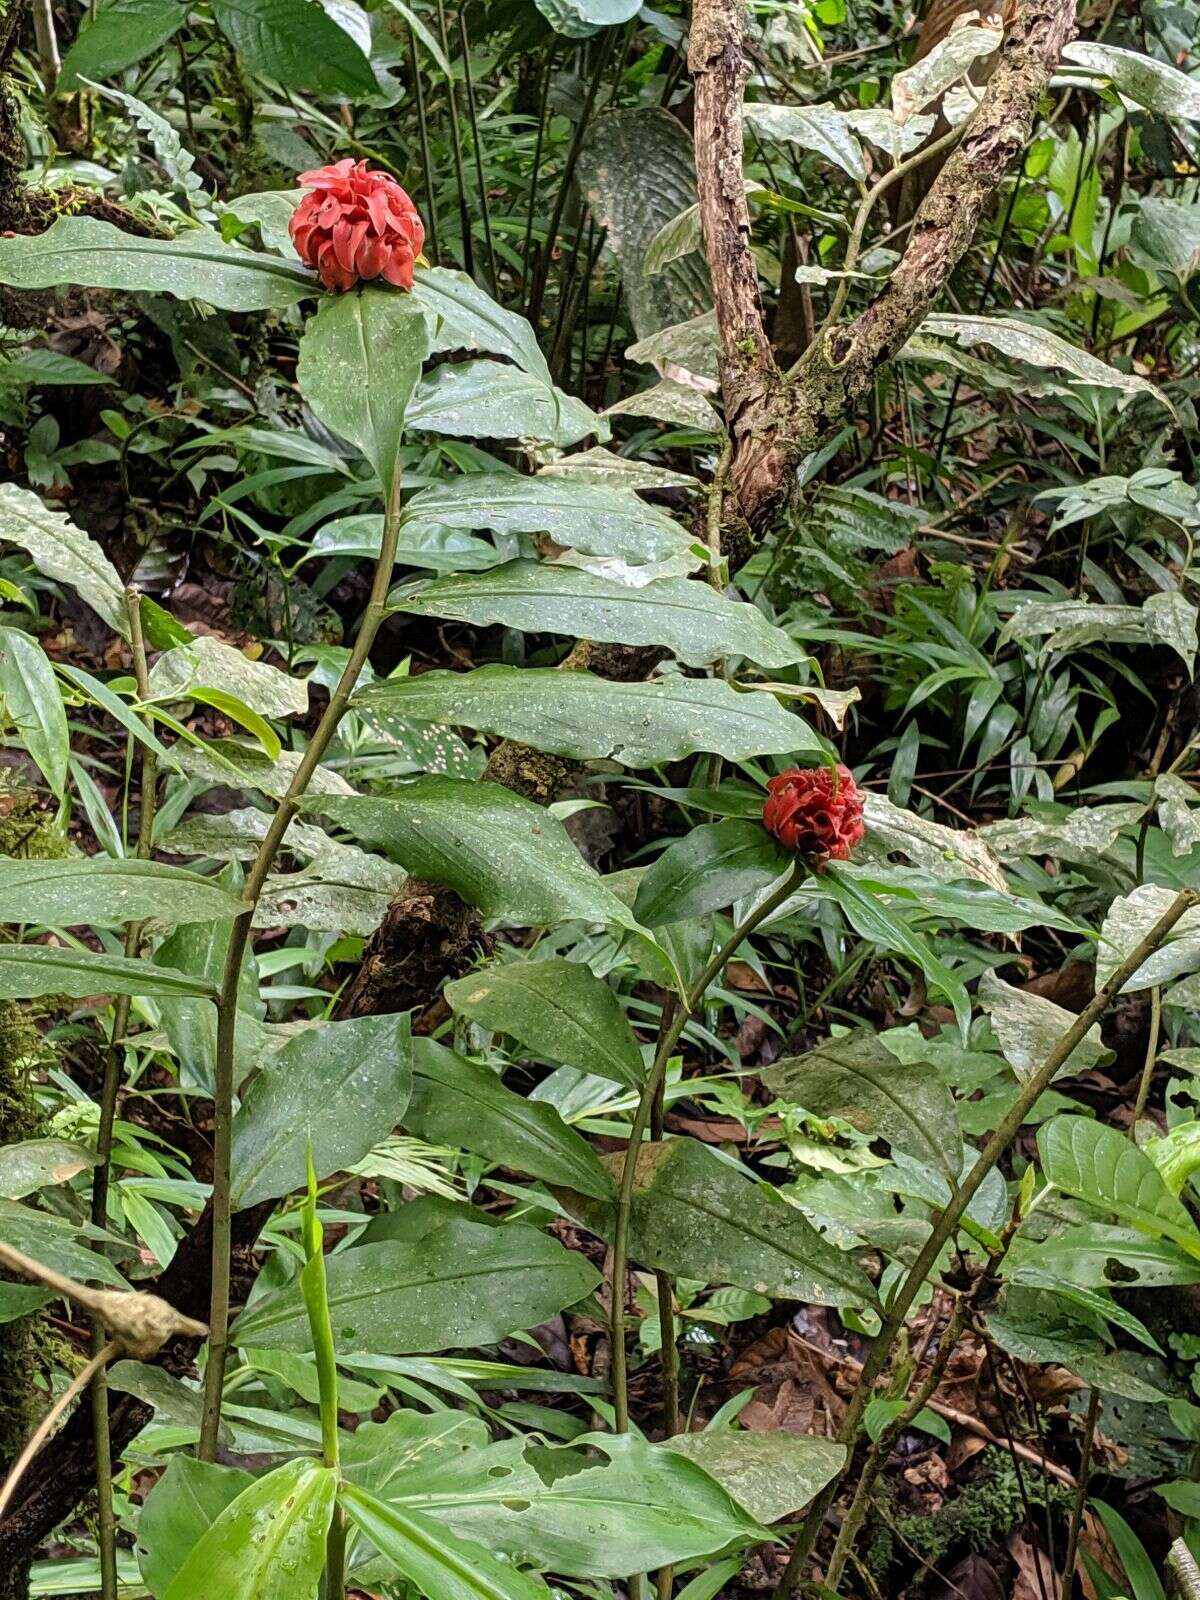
(600, 864)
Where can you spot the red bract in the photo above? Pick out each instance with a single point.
(356, 225)
(816, 812)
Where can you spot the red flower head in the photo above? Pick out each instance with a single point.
(356, 225)
(816, 812)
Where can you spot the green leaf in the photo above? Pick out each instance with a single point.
(440, 1565)
(589, 718)
(197, 265)
(1038, 347)
(96, 889)
(360, 360)
(462, 1285)
(770, 1475)
(1155, 85)
(491, 400)
(1140, 1570)
(30, 702)
(589, 517)
(707, 870)
(558, 1010)
(178, 1512)
(869, 917)
(1028, 1027)
(1126, 923)
(31, 1164)
(579, 19)
(209, 663)
(57, 1244)
(460, 1103)
(465, 318)
(690, 619)
(29, 970)
(336, 1090)
(1167, 235)
(120, 34)
(297, 43)
(1100, 1165)
(588, 1509)
(267, 1544)
(496, 849)
(820, 128)
(1037, 1327)
(857, 1078)
(697, 1215)
(57, 548)
(636, 171)
(1100, 1256)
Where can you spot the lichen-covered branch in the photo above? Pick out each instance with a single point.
(774, 418)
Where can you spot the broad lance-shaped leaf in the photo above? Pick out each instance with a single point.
(688, 618)
(198, 265)
(29, 970)
(868, 916)
(821, 128)
(557, 1009)
(1029, 342)
(1128, 921)
(178, 1512)
(588, 718)
(1149, 82)
(437, 1562)
(1028, 1027)
(636, 171)
(30, 703)
(360, 360)
(698, 1216)
(1039, 1328)
(770, 1475)
(83, 889)
(119, 35)
(587, 1509)
(1100, 1165)
(464, 317)
(267, 1544)
(57, 548)
(334, 1091)
(463, 1104)
(491, 400)
(858, 1079)
(496, 849)
(31, 1164)
(461, 1285)
(707, 870)
(299, 44)
(210, 663)
(589, 517)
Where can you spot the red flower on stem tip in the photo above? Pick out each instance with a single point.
(355, 225)
(816, 812)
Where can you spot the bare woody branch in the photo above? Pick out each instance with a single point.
(774, 418)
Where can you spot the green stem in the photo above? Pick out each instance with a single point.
(667, 1040)
(546, 253)
(426, 162)
(948, 1220)
(477, 149)
(218, 1344)
(109, 1088)
(1085, 1473)
(464, 209)
(1143, 1091)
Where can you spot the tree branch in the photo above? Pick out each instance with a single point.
(773, 420)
